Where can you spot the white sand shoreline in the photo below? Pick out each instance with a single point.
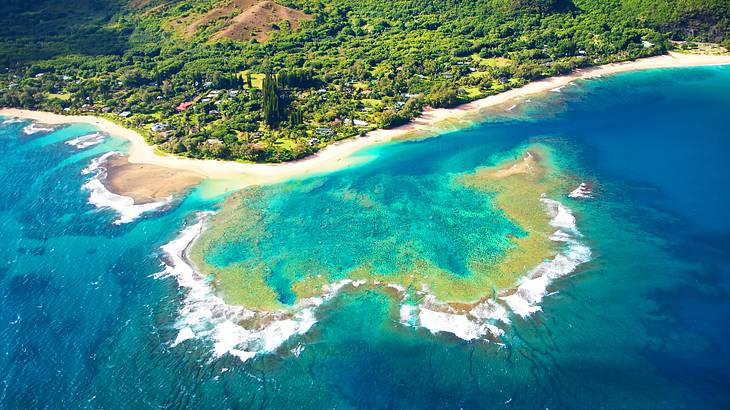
(339, 155)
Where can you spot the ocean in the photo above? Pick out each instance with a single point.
(98, 312)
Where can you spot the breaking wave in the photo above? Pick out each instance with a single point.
(582, 191)
(86, 141)
(483, 320)
(233, 330)
(33, 128)
(102, 198)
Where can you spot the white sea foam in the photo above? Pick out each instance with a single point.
(86, 141)
(33, 128)
(102, 198)
(98, 162)
(533, 287)
(408, 315)
(557, 89)
(183, 335)
(396, 287)
(297, 350)
(233, 330)
(560, 215)
(12, 120)
(490, 310)
(582, 191)
(459, 325)
(482, 321)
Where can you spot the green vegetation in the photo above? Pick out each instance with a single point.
(346, 67)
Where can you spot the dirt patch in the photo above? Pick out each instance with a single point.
(138, 4)
(243, 20)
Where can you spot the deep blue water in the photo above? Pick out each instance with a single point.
(644, 325)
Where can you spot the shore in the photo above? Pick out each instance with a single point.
(160, 182)
(340, 154)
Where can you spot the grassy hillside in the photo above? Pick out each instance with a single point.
(41, 29)
(702, 19)
(270, 81)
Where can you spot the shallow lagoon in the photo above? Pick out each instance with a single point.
(87, 324)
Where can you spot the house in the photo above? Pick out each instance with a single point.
(205, 100)
(158, 127)
(358, 123)
(125, 114)
(313, 141)
(324, 131)
(184, 106)
(647, 44)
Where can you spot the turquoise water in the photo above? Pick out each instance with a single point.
(85, 323)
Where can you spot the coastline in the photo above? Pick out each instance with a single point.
(340, 154)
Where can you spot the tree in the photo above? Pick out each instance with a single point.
(296, 117)
(360, 70)
(443, 95)
(271, 104)
(726, 43)
(133, 77)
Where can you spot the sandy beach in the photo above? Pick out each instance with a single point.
(340, 154)
(160, 182)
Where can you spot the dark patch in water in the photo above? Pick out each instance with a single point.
(25, 353)
(67, 326)
(35, 251)
(28, 285)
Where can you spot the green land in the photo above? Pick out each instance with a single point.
(268, 81)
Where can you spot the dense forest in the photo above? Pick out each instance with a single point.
(272, 81)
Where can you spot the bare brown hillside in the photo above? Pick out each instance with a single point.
(242, 20)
